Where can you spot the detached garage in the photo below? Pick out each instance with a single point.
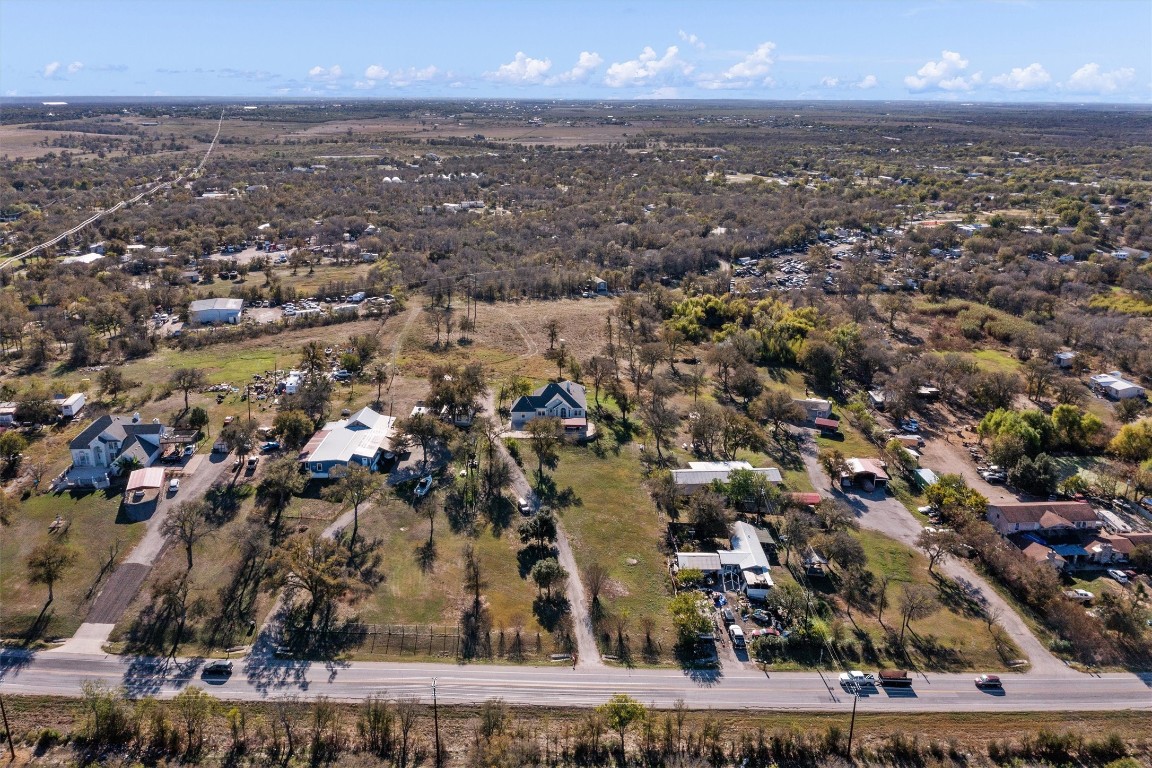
(208, 311)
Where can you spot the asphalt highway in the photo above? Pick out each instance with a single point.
(259, 678)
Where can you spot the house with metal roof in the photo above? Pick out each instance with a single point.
(361, 439)
(1115, 386)
(701, 474)
(745, 567)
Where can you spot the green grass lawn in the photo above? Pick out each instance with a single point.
(995, 360)
(615, 523)
(96, 536)
(853, 443)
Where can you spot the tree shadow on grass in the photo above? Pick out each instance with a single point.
(553, 497)
(530, 555)
(499, 513)
(551, 611)
(956, 597)
(426, 556)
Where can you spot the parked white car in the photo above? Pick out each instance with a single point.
(1120, 576)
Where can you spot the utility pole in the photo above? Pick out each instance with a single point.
(435, 721)
(7, 730)
(852, 725)
(248, 397)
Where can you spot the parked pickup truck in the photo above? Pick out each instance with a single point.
(895, 678)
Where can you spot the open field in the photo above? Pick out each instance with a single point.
(613, 521)
(100, 540)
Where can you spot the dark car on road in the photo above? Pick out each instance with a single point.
(218, 669)
(988, 681)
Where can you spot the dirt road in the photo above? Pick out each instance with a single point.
(588, 653)
(884, 514)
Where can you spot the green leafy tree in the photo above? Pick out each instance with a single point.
(690, 623)
(544, 436)
(240, 437)
(12, 447)
(548, 574)
(356, 485)
(48, 562)
(294, 428)
(281, 481)
(423, 428)
(198, 418)
(1133, 442)
(958, 504)
(315, 565)
(540, 529)
(620, 713)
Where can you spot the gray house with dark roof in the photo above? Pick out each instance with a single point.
(564, 400)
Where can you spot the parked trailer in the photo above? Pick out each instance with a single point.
(895, 678)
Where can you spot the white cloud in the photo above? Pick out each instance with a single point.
(751, 71)
(647, 68)
(325, 75)
(692, 40)
(866, 82)
(1029, 78)
(405, 77)
(397, 78)
(830, 82)
(943, 75)
(587, 62)
(1089, 79)
(522, 70)
(75, 67)
(50, 69)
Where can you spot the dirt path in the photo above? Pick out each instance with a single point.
(588, 654)
(884, 514)
(530, 346)
(398, 344)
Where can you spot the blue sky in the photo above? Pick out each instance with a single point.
(964, 50)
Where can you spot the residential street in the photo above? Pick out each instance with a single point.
(879, 512)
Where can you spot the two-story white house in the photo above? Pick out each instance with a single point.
(564, 400)
(97, 451)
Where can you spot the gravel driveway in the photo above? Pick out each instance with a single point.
(884, 514)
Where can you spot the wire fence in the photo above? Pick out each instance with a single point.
(445, 641)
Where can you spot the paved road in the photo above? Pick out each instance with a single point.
(561, 686)
(880, 512)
